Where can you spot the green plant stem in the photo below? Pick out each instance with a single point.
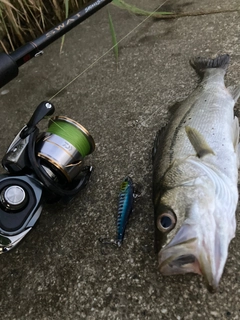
(167, 15)
(114, 37)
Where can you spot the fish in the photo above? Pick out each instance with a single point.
(195, 177)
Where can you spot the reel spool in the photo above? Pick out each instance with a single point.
(63, 147)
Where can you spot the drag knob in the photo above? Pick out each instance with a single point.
(13, 198)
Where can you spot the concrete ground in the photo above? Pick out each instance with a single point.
(59, 271)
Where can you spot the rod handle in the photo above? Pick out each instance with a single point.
(8, 69)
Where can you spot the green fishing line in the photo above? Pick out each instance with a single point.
(72, 134)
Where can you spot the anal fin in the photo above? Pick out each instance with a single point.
(238, 155)
(235, 92)
(235, 134)
(198, 142)
(236, 144)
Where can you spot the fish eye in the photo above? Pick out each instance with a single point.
(166, 221)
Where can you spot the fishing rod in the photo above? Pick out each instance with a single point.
(41, 166)
(9, 63)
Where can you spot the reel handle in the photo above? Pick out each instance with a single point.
(44, 109)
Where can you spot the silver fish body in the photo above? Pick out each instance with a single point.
(195, 174)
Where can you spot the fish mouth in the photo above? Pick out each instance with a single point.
(179, 259)
(187, 253)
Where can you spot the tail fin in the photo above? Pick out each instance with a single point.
(202, 64)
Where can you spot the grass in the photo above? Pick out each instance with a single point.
(114, 36)
(23, 20)
(66, 4)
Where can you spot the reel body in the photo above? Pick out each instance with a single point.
(40, 166)
(20, 208)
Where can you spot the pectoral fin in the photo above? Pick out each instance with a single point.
(198, 142)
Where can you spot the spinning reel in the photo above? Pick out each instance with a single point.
(47, 165)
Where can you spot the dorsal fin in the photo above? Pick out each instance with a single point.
(159, 141)
(198, 142)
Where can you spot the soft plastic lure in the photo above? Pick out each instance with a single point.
(125, 206)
